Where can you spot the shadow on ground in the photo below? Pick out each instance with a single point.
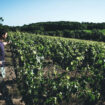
(5, 94)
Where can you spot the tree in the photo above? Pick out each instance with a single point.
(1, 19)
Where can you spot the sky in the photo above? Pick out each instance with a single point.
(20, 12)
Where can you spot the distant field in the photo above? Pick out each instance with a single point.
(88, 31)
(103, 31)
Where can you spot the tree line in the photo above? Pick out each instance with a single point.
(84, 30)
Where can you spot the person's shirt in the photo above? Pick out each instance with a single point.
(2, 55)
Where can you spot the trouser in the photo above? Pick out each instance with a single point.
(2, 70)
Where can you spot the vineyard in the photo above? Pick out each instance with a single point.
(77, 74)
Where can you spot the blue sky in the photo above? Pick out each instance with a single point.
(20, 12)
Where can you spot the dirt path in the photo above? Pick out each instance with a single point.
(9, 93)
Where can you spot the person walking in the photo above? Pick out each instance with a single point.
(3, 36)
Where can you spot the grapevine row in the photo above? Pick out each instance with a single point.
(84, 59)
